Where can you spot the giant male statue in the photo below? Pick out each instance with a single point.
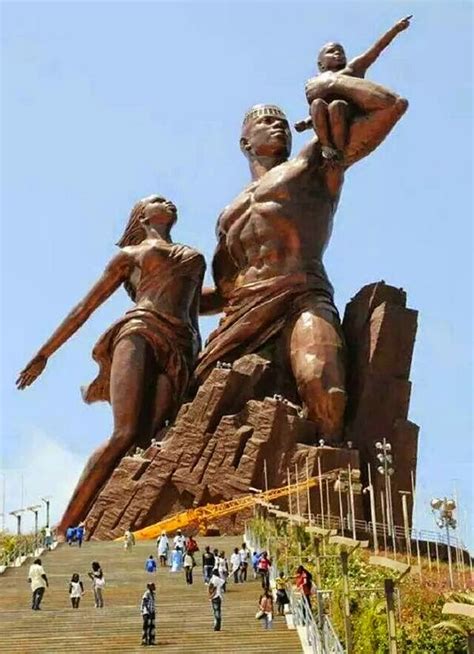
(270, 281)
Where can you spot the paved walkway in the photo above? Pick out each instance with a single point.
(184, 617)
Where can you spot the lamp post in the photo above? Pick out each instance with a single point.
(386, 469)
(17, 515)
(47, 501)
(370, 489)
(34, 509)
(443, 511)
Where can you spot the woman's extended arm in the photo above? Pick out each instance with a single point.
(115, 274)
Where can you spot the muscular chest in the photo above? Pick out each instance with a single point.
(255, 209)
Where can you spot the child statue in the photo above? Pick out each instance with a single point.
(145, 358)
(340, 92)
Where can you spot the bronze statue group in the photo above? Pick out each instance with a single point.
(270, 283)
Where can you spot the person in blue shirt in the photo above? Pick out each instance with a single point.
(255, 559)
(150, 565)
(70, 535)
(80, 534)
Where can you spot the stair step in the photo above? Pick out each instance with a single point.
(184, 616)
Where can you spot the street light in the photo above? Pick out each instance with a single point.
(17, 515)
(34, 509)
(47, 501)
(443, 511)
(386, 469)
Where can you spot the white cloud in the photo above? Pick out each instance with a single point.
(47, 468)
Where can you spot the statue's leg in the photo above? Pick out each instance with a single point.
(339, 112)
(163, 404)
(320, 118)
(127, 383)
(366, 95)
(317, 356)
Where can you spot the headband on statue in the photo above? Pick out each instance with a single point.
(259, 110)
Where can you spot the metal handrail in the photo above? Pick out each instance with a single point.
(320, 639)
(334, 522)
(22, 551)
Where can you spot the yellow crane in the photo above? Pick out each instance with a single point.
(202, 515)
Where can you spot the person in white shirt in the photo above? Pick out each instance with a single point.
(39, 582)
(188, 567)
(76, 590)
(128, 540)
(179, 541)
(235, 564)
(215, 592)
(223, 568)
(163, 546)
(244, 562)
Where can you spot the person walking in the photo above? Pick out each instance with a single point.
(176, 560)
(70, 533)
(265, 605)
(98, 584)
(48, 538)
(255, 559)
(304, 582)
(179, 541)
(223, 568)
(192, 547)
(148, 615)
(39, 582)
(281, 584)
(235, 563)
(128, 540)
(244, 562)
(163, 545)
(208, 564)
(188, 567)
(215, 591)
(80, 534)
(263, 569)
(76, 590)
(150, 564)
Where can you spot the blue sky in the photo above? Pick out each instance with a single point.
(104, 103)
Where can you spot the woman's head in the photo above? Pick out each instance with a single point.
(152, 211)
(75, 577)
(95, 566)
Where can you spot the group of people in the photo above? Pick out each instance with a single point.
(38, 581)
(75, 534)
(216, 570)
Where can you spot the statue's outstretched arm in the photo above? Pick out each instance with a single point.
(115, 274)
(360, 64)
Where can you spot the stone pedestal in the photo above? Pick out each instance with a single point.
(217, 446)
(380, 334)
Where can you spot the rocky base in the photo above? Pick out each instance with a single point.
(219, 442)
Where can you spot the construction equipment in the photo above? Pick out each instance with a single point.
(202, 515)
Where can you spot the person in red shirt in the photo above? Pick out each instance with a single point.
(192, 548)
(304, 582)
(263, 569)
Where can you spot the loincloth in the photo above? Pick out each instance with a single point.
(174, 345)
(257, 312)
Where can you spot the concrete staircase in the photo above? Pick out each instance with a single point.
(184, 617)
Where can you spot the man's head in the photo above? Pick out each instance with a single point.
(37, 561)
(151, 586)
(331, 57)
(265, 133)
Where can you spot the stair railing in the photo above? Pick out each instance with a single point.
(31, 547)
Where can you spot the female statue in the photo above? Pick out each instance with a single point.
(146, 358)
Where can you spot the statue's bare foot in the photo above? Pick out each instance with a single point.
(302, 125)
